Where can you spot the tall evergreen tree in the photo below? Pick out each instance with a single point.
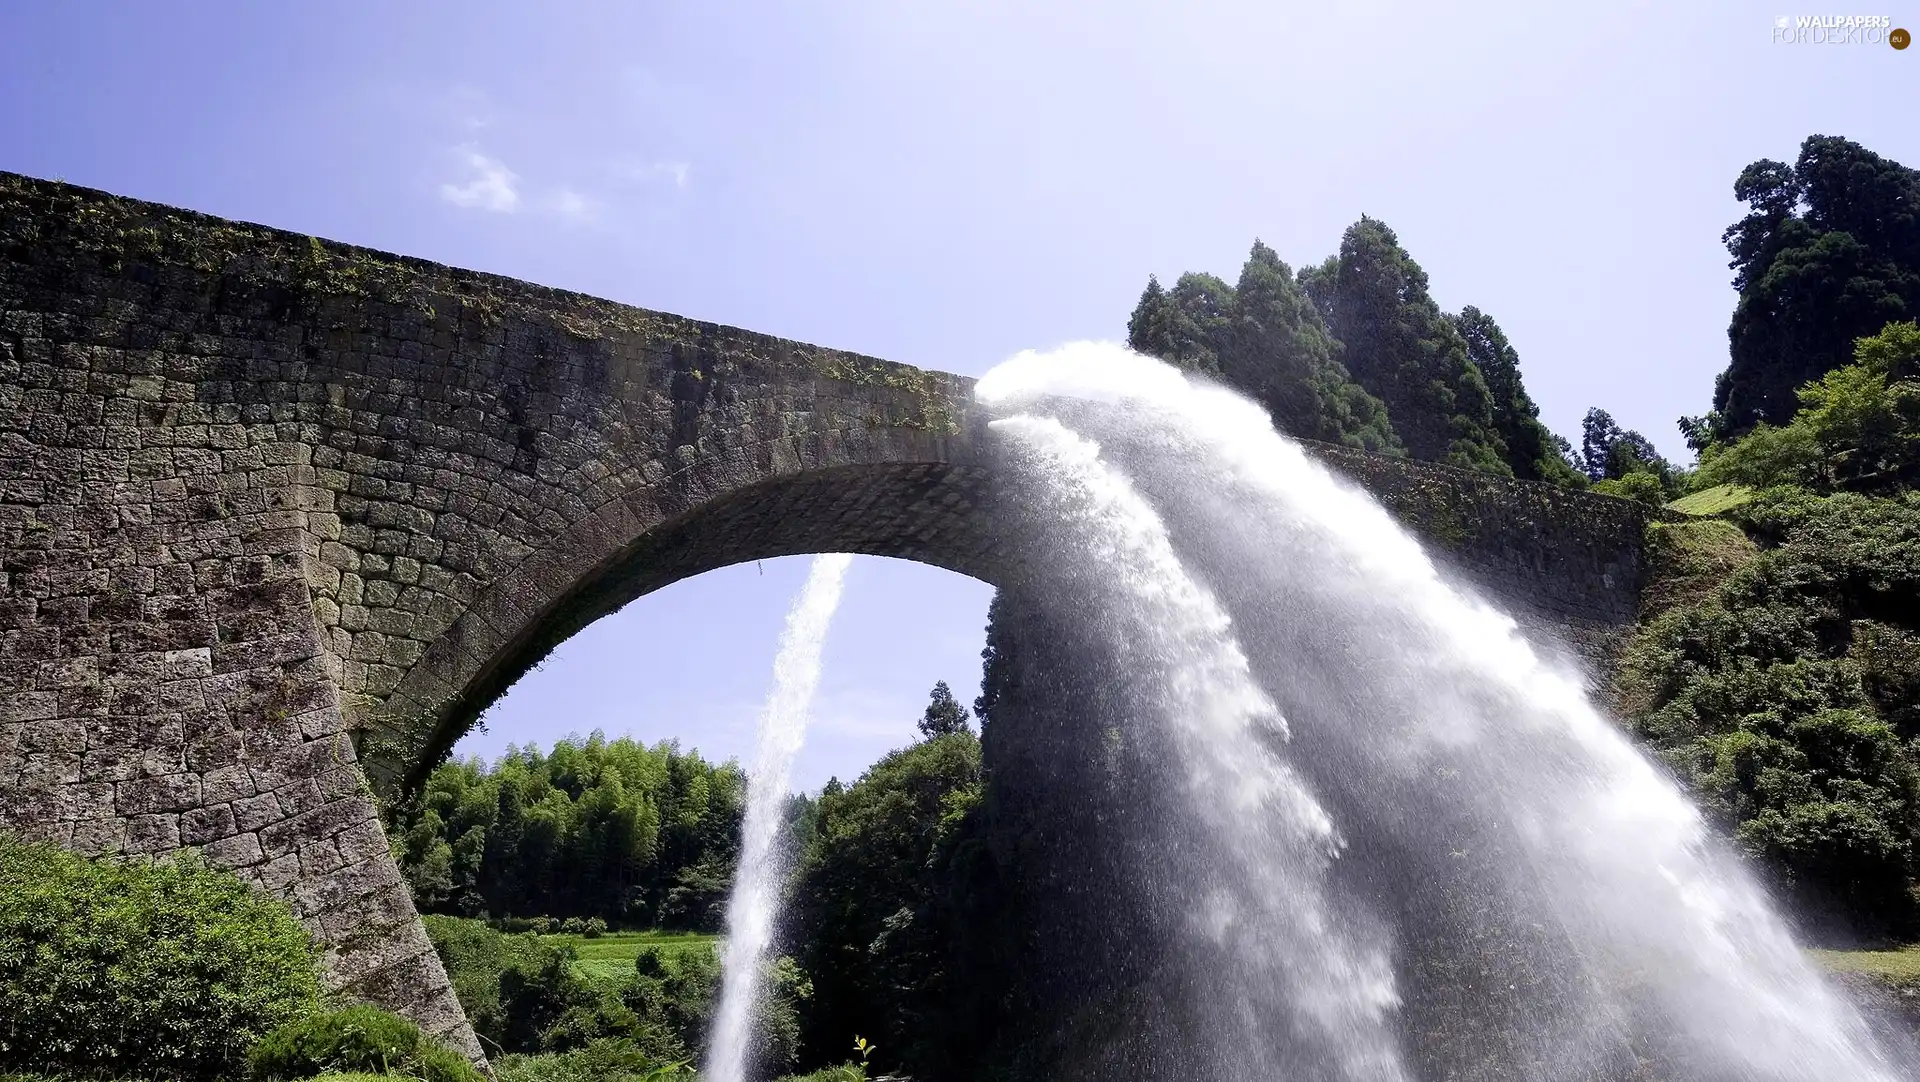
(944, 713)
(1185, 326)
(1264, 339)
(1533, 452)
(1829, 252)
(1280, 353)
(1402, 349)
(1609, 452)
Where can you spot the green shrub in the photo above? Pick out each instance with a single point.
(513, 987)
(846, 1072)
(604, 1060)
(166, 969)
(1640, 487)
(353, 1039)
(1783, 696)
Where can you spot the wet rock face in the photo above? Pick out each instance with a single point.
(278, 517)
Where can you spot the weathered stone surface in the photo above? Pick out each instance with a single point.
(275, 511)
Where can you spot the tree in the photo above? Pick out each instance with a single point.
(1829, 252)
(1608, 453)
(1185, 327)
(874, 913)
(1401, 348)
(1532, 452)
(1279, 353)
(1264, 339)
(1858, 427)
(944, 714)
(595, 828)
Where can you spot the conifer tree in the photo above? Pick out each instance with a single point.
(1281, 354)
(944, 713)
(1533, 453)
(1401, 348)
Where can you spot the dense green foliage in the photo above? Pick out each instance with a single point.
(1355, 351)
(157, 970)
(531, 1002)
(1264, 338)
(360, 1037)
(1857, 429)
(514, 987)
(1404, 351)
(875, 915)
(1788, 695)
(1829, 252)
(607, 1060)
(636, 836)
(1532, 452)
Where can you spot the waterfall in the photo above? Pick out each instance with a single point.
(1441, 791)
(754, 903)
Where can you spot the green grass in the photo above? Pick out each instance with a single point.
(1687, 561)
(610, 957)
(1717, 500)
(1896, 967)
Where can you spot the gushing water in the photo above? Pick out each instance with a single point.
(1444, 830)
(756, 888)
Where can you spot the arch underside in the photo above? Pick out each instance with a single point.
(942, 514)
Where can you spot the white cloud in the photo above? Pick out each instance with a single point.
(648, 172)
(491, 187)
(573, 206)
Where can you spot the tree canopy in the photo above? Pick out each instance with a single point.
(1264, 338)
(594, 828)
(1828, 252)
(1401, 348)
(1354, 351)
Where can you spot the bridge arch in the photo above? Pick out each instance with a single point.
(273, 510)
(930, 511)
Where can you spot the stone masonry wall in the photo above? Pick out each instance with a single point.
(278, 517)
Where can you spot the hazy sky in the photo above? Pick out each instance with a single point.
(946, 183)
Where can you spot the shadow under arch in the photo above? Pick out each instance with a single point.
(946, 514)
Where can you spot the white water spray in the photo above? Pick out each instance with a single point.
(1440, 735)
(755, 902)
(1270, 840)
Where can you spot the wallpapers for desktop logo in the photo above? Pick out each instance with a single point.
(1839, 30)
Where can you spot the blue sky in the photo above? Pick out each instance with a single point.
(946, 183)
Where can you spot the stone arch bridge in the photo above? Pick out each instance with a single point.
(274, 509)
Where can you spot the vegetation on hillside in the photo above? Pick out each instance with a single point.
(636, 836)
(1786, 694)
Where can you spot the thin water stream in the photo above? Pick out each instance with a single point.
(753, 908)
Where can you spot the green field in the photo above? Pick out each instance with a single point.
(610, 957)
(1896, 967)
(1712, 501)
